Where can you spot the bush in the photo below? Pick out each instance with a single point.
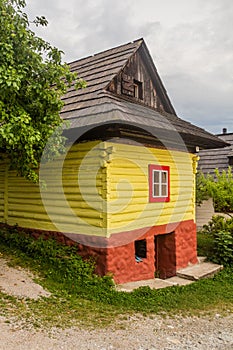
(223, 248)
(220, 230)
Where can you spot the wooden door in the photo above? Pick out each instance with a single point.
(165, 255)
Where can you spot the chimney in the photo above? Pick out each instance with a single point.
(224, 131)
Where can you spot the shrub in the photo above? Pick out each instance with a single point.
(223, 248)
(220, 230)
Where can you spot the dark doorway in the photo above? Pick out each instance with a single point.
(165, 255)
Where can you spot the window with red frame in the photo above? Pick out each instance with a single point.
(159, 183)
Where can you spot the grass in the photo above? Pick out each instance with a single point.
(81, 298)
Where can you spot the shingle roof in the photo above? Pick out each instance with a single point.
(94, 104)
(98, 71)
(218, 157)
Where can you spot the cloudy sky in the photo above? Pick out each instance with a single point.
(191, 43)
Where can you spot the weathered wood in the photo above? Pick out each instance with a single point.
(105, 70)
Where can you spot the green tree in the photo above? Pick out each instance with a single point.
(32, 81)
(202, 189)
(221, 190)
(219, 187)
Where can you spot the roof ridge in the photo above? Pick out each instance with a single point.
(139, 41)
(122, 45)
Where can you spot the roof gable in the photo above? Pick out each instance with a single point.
(108, 70)
(99, 104)
(138, 80)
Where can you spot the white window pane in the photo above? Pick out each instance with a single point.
(156, 190)
(164, 190)
(164, 177)
(156, 177)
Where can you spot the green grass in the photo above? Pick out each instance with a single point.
(81, 298)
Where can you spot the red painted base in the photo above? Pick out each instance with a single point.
(168, 248)
(167, 251)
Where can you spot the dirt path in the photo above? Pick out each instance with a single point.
(19, 282)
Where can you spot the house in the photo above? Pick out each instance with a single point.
(220, 158)
(125, 189)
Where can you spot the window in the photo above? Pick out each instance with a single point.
(138, 89)
(140, 250)
(159, 183)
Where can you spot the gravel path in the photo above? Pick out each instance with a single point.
(138, 334)
(135, 333)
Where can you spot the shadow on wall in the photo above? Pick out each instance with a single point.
(204, 213)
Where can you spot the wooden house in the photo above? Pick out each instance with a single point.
(125, 189)
(218, 158)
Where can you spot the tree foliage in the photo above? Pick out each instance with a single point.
(202, 190)
(32, 81)
(219, 187)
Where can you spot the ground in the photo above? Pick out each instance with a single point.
(133, 333)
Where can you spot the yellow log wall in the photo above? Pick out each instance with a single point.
(99, 188)
(59, 204)
(128, 188)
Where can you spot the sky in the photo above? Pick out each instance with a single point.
(191, 43)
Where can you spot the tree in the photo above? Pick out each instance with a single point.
(32, 81)
(202, 189)
(218, 187)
